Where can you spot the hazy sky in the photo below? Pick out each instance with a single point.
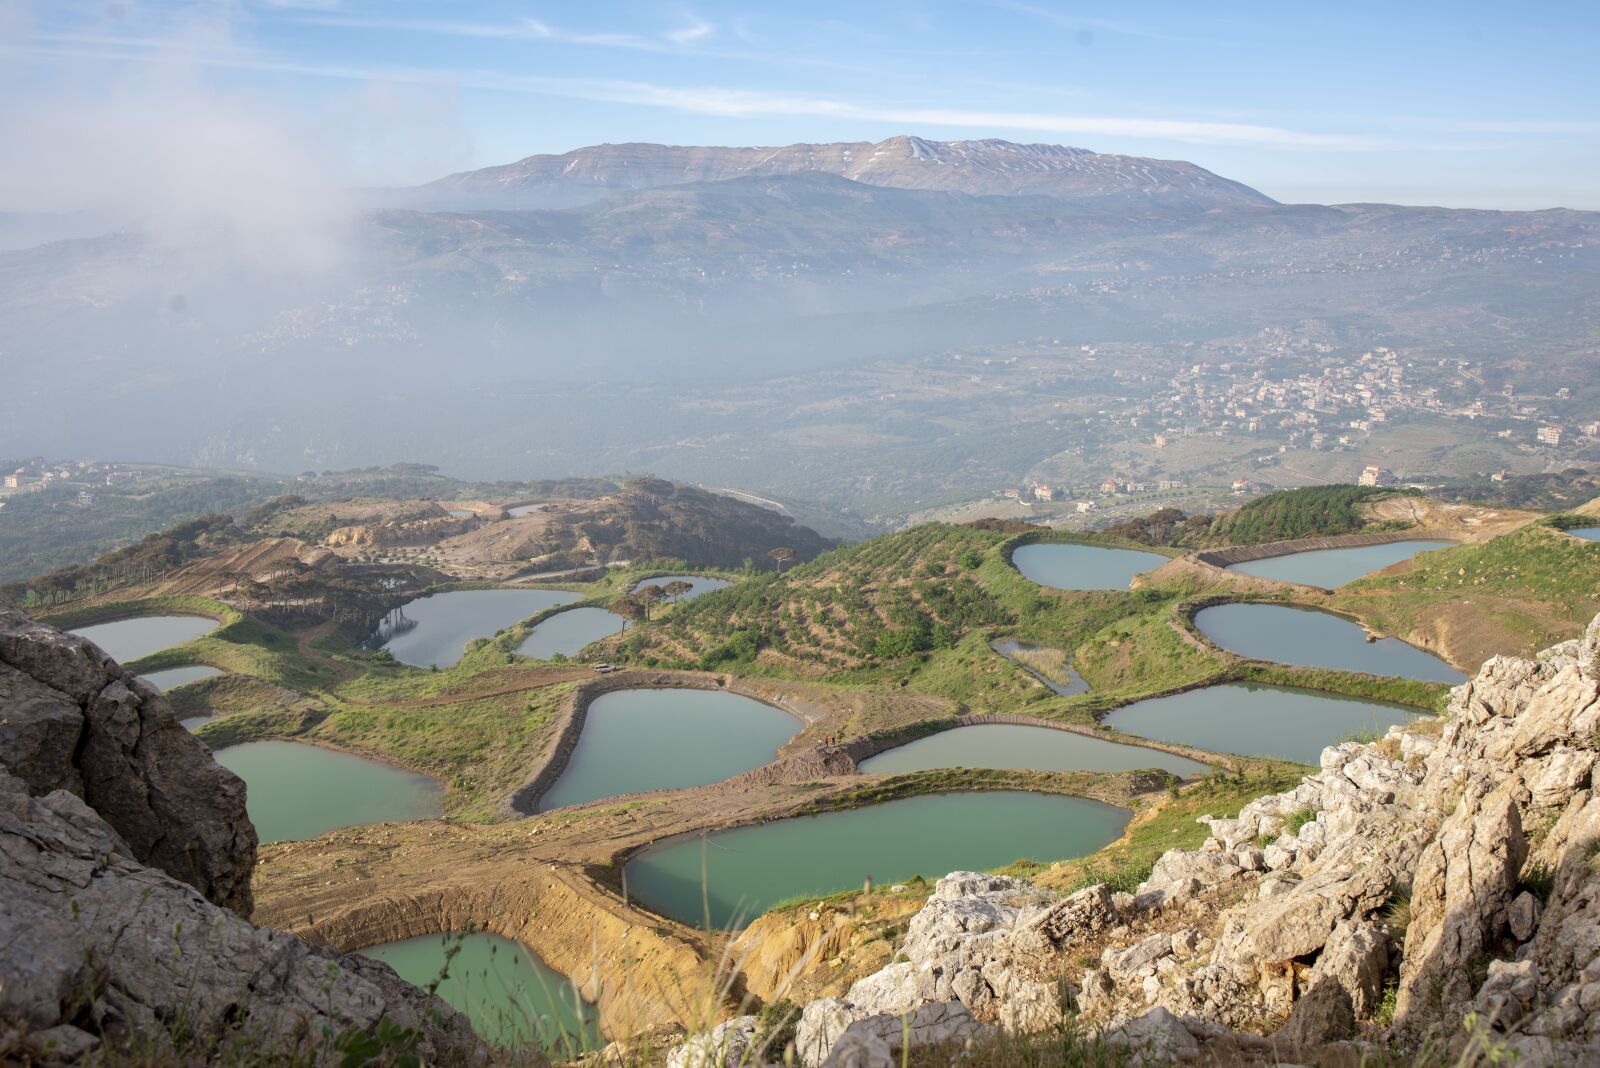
(1467, 104)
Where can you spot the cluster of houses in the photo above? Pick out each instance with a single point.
(36, 473)
(1342, 398)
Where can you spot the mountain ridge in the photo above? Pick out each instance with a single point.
(989, 166)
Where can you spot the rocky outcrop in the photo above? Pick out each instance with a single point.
(71, 719)
(397, 533)
(98, 948)
(125, 863)
(1451, 868)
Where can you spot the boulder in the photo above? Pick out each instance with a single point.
(1464, 883)
(97, 947)
(725, 1044)
(71, 719)
(1156, 1037)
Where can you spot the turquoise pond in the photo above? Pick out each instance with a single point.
(568, 631)
(1020, 747)
(434, 631)
(1082, 567)
(637, 740)
(1332, 568)
(511, 996)
(171, 678)
(296, 791)
(736, 875)
(127, 640)
(699, 584)
(1311, 638)
(1251, 720)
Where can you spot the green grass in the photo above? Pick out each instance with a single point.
(1536, 585)
(1170, 825)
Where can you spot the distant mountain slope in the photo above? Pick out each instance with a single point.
(985, 168)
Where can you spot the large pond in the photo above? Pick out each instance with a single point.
(1331, 568)
(748, 870)
(172, 678)
(667, 739)
(127, 640)
(699, 584)
(511, 996)
(1083, 567)
(1047, 664)
(524, 509)
(1013, 746)
(1250, 720)
(1586, 533)
(567, 632)
(434, 631)
(1309, 638)
(298, 791)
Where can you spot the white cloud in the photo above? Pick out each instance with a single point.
(695, 31)
(524, 29)
(741, 103)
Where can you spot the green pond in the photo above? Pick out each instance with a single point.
(298, 791)
(126, 640)
(434, 631)
(1083, 567)
(736, 875)
(1310, 638)
(1332, 568)
(1018, 747)
(172, 678)
(636, 740)
(1586, 533)
(1252, 720)
(569, 631)
(1010, 647)
(512, 997)
(700, 584)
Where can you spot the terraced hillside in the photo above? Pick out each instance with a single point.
(1518, 592)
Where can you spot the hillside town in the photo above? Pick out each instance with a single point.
(1293, 394)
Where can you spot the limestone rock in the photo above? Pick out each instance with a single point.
(726, 1044)
(129, 951)
(1157, 1037)
(71, 719)
(1464, 883)
(930, 1025)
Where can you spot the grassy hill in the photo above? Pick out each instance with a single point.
(1308, 512)
(1517, 593)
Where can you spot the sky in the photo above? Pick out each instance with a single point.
(1461, 104)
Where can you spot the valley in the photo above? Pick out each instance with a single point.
(563, 828)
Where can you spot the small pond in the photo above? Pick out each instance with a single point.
(1017, 747)
(1047, 664)
(524, 509)
(299, 791)
(1586, 533)
(1332, 568)
(126, 640)
(512, 997)
(750, 869)
(1253, 720)
(434, 631)
(699, 584)
(1292, 635)
(171, 678)
(636, 740)
(1083, 567)
(567, 632)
